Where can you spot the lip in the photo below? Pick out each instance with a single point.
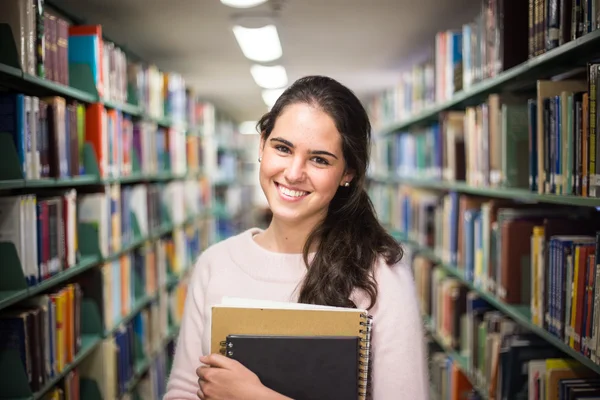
(290, 198)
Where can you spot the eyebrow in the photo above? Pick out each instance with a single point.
(314, 152)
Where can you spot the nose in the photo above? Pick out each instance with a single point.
(295, 171)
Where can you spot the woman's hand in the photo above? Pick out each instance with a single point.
(223, 378)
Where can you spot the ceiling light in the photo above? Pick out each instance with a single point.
(242, 3)
(259, 44)
(248, 128)
(273, 77)
(270, 96)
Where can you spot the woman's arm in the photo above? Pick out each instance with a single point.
(399, 363)
(183, 381)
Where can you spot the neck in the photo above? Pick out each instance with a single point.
(285, 237)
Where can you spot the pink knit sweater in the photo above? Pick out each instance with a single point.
(239, 267)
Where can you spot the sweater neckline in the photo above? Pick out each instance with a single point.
(263, 264)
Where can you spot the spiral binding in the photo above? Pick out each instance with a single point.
(224, 346)
(364, 386)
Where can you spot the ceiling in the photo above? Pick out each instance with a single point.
(362, 43)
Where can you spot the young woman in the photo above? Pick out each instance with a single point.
(324, 246)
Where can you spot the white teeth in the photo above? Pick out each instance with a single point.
(291, 193)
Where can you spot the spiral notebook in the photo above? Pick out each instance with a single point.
(235, 316)
(329, 363)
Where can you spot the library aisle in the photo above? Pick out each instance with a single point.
(118, 170)
(485, 168)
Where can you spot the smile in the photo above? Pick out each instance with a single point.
(290, 194)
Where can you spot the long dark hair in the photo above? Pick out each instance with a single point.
(350, 238)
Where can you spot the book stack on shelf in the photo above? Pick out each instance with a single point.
(105, 204)
(492, 186)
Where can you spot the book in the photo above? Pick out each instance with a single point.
(329, 363)
(237, 316)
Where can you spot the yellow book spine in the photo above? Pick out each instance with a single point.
(534, 273)
(574, 298)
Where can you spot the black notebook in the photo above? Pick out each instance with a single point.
(301, 367)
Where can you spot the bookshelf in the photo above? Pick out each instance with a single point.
(109, 169)
(485, 169)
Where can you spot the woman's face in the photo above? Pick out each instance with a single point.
(302, 164)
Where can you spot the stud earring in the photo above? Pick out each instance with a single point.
(347, 184)
(259, 159)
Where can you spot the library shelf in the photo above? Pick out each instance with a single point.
(553, 62)
(460, 360)
(91, 180)
(10, 297)
(522, 195)
(44, 87)
(81, 90)
(88, 344)
(519, 313)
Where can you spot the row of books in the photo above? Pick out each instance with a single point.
(47, 44)
(46, 333)
(462, 57)
(448, 381)
(486, 145)
(547, 144)
(553, 23)
(120, 216)
(541, 258)
(124, 214)
(49, 136)
(142, 272)
(502, 359)
(43, 231)
(478, 51)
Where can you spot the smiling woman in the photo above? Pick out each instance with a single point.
(324, 245)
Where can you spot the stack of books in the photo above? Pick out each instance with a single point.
(299, 350)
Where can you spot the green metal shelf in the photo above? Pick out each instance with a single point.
(90, 180)
(519, 313)
(553, 62)
(8, 298)
(130, 109)
(46, 86)
(522, 195)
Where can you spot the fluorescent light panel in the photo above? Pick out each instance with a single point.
(242, 3)
(270, 96)
(259, 44)
(273, 77)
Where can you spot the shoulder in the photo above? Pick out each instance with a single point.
(220, 253)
